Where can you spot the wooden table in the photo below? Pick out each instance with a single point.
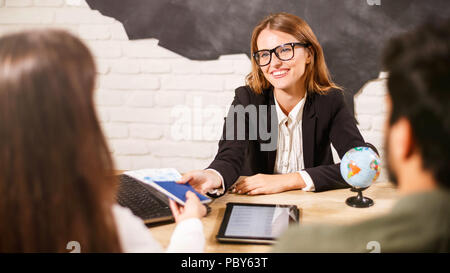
(323, 207)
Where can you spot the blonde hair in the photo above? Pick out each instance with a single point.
(317, 76)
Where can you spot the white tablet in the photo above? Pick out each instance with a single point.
(256, 223)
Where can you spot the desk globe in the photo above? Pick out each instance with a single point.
(360, 167)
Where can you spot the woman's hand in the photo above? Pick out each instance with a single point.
(269, 183)
(193, 208)
(202, 181)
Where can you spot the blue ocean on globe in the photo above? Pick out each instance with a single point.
(360, 167)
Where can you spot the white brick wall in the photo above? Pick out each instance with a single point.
(141, 85)
(370, 111)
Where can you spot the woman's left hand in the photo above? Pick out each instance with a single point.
(269, 183)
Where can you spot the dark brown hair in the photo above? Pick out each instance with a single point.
(56, 172)
(418, 63)
(317, 76)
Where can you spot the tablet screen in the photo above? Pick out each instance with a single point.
(257, 220)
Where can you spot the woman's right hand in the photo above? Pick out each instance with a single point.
(202, 181)
(192, 208)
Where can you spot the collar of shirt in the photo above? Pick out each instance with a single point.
(295, 114)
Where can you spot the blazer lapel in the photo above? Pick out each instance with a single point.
(309, 130)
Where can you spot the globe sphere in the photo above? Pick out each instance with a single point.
(360, 167)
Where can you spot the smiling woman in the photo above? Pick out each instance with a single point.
(289, 76)
(289, 28)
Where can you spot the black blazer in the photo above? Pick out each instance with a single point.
(326, 119)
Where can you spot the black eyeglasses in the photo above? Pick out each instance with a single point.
(284, 52)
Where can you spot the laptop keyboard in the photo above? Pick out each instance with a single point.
(144, 201)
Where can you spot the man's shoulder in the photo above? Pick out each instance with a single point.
(318, 238)
(394, 232)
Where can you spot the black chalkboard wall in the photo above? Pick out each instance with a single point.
(351, 32)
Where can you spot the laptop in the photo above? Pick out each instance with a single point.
(144, 201)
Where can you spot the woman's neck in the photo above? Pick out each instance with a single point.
(288, 99)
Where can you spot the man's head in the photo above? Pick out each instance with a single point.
(418, 63)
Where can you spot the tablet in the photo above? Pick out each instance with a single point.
(256, 223)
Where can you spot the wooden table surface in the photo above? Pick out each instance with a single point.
(323, 207)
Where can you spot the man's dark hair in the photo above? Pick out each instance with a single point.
(418, 63)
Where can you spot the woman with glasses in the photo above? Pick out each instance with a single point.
(306, 113)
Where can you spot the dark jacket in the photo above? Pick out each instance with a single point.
(326, 119)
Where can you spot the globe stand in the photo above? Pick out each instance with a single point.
(359, 201)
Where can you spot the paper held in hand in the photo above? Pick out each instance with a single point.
(164, 181)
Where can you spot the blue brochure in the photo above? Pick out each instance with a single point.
(176, 191)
